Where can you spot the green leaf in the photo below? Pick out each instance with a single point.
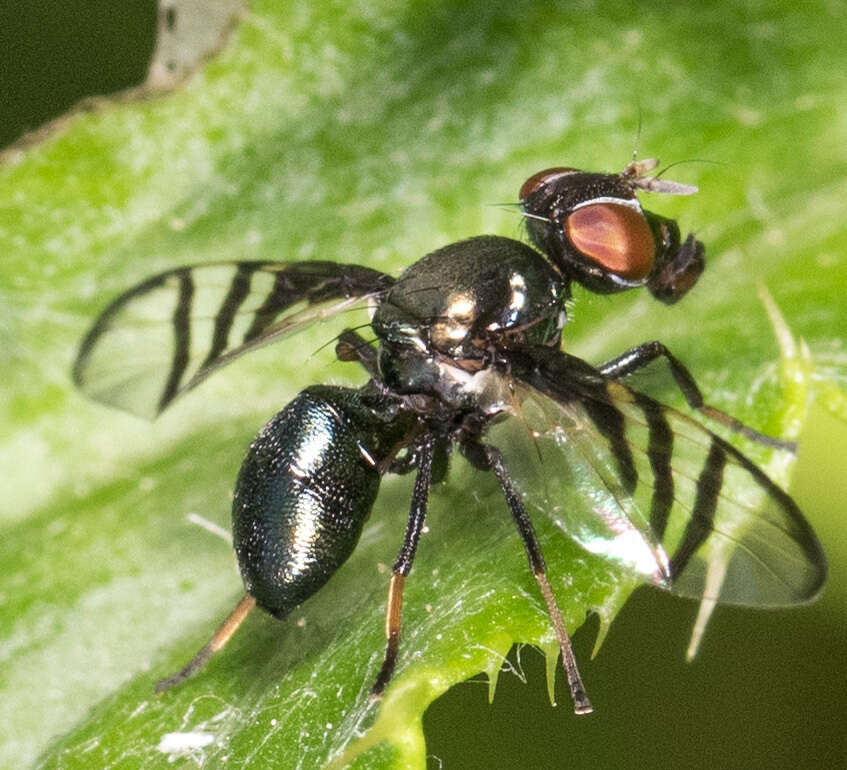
(371, 134)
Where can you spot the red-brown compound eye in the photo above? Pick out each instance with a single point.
(537, 181)
(614, 236)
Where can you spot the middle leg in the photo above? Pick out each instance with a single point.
(581, 703)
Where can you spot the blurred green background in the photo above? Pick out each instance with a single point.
(489, 86)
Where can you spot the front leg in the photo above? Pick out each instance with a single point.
(641, 355)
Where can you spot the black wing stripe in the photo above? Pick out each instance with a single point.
(314, 282)
(610, 422)
(659, 452)
(239, 290)
(279, 297)
(182, 337)
(700, 525)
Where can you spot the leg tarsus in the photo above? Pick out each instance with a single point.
(222, 635)
(581, 703)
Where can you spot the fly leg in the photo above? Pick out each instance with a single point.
(641, 355)
(221, 636)
(403, 564)
(351, 346)
(581, 703)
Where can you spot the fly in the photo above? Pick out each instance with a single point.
(467, 357)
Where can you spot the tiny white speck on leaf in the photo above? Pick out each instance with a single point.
(183, 743)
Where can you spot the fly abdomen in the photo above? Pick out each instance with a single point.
(302, 496)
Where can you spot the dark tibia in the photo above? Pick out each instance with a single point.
(641, 355)
(581, 703)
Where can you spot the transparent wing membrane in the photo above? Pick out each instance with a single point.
(570, 479)
(659, 495)
(166, 335)
(732, 534)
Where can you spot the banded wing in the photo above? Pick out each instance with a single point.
(166, 335)
(655, 492)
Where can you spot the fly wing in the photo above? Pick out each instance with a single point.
(166, 335)
(657, 493)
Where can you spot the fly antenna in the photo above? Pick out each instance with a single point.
(511, 207)
(340, 335)
(636, 174)
(688, 160)
(656, 184)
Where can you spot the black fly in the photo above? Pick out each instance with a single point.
(468, 356)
